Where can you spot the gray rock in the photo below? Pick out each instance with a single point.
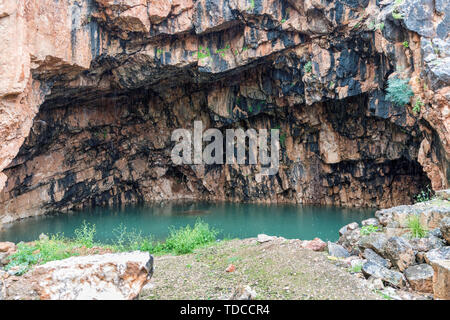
(349, 241)
(420, 277)
(418, 16)
(372, 256)
(375, 283)
(348, 227)
(337, 250)
(3, 258)
(443, 194)
(399, 252)
(426, 244)
(445, 229)
(371, 222)
(436, 232)
(437, 254)
(391, 277)
(374, 241)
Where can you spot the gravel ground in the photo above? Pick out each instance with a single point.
(278, 269)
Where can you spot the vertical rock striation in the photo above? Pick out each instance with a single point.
(95, 87)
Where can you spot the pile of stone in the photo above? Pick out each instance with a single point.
(391, 256)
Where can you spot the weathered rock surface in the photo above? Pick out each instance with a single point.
(372, 256)
(420, 277)
(399, 252)
(441, 279)
(430, 214)
(445, 229)
(88, 101)
(315, 244)
(336, 250)
(438, 254)
(98, 277)
(394, 278)
(374, 241)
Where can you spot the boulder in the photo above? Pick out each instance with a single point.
(420, 277)
(265, 238)
(348, 227)
(372, 256)
(118, 276)
(443, 194)
(399, 252)
(371, 222)
(349, 241)
(374, 241)
(337, 250)
(445, 229)
(437, 254)
(7, 247)
(426, 244)
(441, 279)
(391, 277)
(315, 245)
(3, 258)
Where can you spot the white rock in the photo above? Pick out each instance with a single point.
(264, 238)
(119, 276)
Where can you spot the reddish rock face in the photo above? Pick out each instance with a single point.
(94, 89)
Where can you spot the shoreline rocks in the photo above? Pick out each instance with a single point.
(392, 255)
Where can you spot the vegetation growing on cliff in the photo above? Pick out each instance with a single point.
(398, 91)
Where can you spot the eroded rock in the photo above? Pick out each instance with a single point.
(391, 277)
(336, 250)
(441, 279)
(420, 277)
(119, 276)
(399, 252)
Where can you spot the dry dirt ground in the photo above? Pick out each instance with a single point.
(277, 269)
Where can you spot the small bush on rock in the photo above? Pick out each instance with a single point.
(398, 91)
(416, 228)
(366, 230)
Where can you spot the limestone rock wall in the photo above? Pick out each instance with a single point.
(95, 88)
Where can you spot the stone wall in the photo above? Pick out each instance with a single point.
(105, 82)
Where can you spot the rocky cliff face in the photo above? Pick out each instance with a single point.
(92, 90)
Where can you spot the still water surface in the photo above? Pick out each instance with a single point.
(234, 220)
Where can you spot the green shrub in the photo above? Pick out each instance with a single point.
(366, 230)
(418, 105)
(40, 252)
(416, 228)
(308, 67)
(405, 44)
(398, 91)
(85, 234)
(185, 240)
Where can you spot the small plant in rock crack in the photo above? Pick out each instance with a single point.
(355, 269)
(405, 44)
(308, 67)
(398, 91)
(203, 53)
(416, 229)
(418, 105)
(366, 230)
